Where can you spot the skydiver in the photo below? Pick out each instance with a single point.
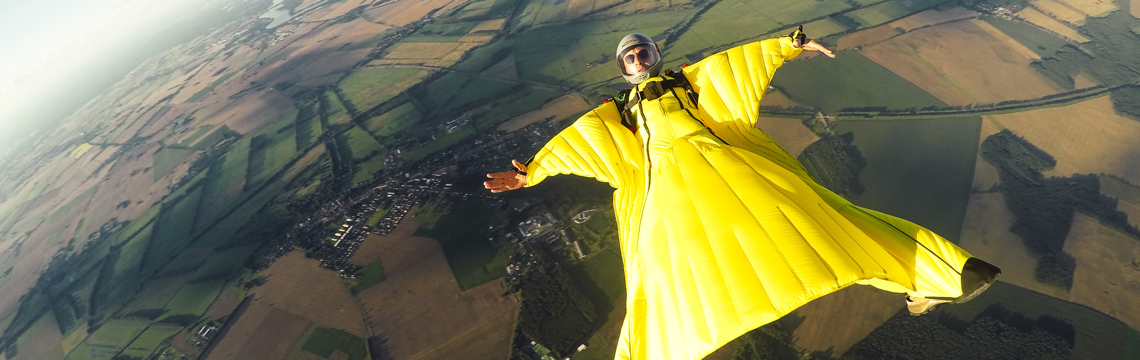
(721, 230)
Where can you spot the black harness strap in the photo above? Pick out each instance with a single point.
(626, 100)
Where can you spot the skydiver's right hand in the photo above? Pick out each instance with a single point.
(509, 180)
(814, 46)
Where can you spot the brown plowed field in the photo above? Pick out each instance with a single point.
(298, 292)
(1086, 137)
(41, 342)
(866, 37)
(1108, 270)
(559, 108)
(963, 62)
(1134, 8)
(419, 308)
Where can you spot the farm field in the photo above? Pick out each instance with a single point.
(473, 261)
(393, 121)
(832, 325)
(1041, 43)
(866, 37)
(1134, 8)
(986, 235)
(438, 54)
(962, 63)
(933, 17)
(298, 293)
(42, 342)
(1097, 336)
(722, 23)
(791, 134)
(402, 12)
(1107, 277)
(1086, 137)
(1037, 18)
(920, 170)
(369, 87)
(420, 293)
(1128, 196)
(560, 108)
(833, 84)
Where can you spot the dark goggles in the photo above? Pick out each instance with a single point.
(642, 54)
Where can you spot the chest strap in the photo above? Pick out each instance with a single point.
(626, 100)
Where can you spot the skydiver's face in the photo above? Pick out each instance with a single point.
(638, 59)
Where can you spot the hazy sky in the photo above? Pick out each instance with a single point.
(39, 38)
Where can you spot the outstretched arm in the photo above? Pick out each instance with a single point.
(731, 83)
(596, 146)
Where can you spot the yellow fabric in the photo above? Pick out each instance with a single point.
(723, 231)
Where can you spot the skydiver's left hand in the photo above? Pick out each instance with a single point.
(509, 180)
(814, 46)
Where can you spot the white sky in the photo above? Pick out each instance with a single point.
(39, 38)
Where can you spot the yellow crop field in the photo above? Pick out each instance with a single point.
(420, 294)
(420, 51)
(490, 25)
(1060, 11)
(479, 39)
(1091, 7)
(1037, 18)
(403, 12)
(963, 62)
(1086, 137)
(559, 108)
(1134, 8)
(1107, 277)
(933, 17)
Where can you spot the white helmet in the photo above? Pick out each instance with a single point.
(650, 55)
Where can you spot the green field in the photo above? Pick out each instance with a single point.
(371, 274)
(376, 216)
(889, 11)
(274, 151)
(357, 144)
(308, 127)
(367, 168)
(1041, 42)
(332, 109)
(324, 341)
(58, 214)
(110, 338)
(172, 230)
(441, 143)
(369, 42)
(194, 298)
(1119, 189)
(131, 255)
(393, 121)
(1098, 335)
(920, 170)
(849, 80)
(725, 23)
(368, 87)
(224, 182)
(214, 137)
(518, 105)
(474, 259)
(202, 131)
(224, 263)
(167, 159)
(207, 90)
(150, 339)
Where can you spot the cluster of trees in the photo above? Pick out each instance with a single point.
(1126, 100)
(835, 163)
(1044, 207)
(996, 333)
(770, 341)
(1110, 58)
(554, 313)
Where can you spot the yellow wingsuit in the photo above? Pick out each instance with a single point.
(723, 233)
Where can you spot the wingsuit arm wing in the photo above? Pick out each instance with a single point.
(596, 146)
(731, 83)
